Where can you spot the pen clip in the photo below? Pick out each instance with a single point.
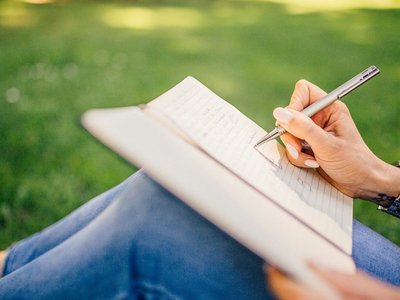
(358, 80)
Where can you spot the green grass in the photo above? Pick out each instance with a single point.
(59, 59)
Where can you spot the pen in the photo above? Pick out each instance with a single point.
(325, 101)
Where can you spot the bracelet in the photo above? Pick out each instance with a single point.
(392, 204)
(393, 209)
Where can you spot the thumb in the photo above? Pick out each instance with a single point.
(301, 126)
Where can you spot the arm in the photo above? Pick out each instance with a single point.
(342, 157)
(337, 147)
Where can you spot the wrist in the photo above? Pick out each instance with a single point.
(384, 184)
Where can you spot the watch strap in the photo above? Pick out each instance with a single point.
(393, 209)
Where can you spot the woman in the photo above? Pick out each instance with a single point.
(139, 241)
(344, 160)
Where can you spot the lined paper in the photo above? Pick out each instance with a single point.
(228, 136)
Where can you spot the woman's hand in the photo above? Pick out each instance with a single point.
(336, 146)
(357, 286)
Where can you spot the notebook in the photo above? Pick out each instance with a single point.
(201, 148)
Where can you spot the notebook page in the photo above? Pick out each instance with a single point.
(227, 135)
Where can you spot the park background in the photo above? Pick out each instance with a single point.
(60, 58)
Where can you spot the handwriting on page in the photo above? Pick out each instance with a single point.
(228, 136)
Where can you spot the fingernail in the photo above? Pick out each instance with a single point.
(292, 150)
(311, 163)
(282, 115)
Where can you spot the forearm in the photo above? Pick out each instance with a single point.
(385, 184)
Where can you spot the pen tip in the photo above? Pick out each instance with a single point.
(258, 144)
(268, 137)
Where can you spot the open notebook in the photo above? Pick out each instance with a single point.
(201, 148)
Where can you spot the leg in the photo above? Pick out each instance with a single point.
(376, 255)
(149, 243)
(34, 246)
(145, 244)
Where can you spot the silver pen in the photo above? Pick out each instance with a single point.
(325, 101)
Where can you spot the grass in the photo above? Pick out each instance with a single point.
(59, 59)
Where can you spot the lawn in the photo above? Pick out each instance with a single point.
(59, 59)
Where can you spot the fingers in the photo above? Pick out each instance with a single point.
(302, 127)
(358, 285)
(304, 94)
(287, 288)
(348, 286)
(296, 156)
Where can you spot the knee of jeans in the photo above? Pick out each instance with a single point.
(173, 245)
(142, 192)
(178, 249)
(144, 207)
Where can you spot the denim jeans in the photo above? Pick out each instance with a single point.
(138, 241)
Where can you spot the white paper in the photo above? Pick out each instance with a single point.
(228, 136)
(217, 193)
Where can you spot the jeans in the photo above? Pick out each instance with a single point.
(138, 241)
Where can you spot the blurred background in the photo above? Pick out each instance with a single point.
(60, 58)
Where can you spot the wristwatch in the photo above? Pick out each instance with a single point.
(392, 205)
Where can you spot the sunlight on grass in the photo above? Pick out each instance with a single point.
(38, 1)
(145, 18)
(15, 15)
(309, 6)
(62, 58)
